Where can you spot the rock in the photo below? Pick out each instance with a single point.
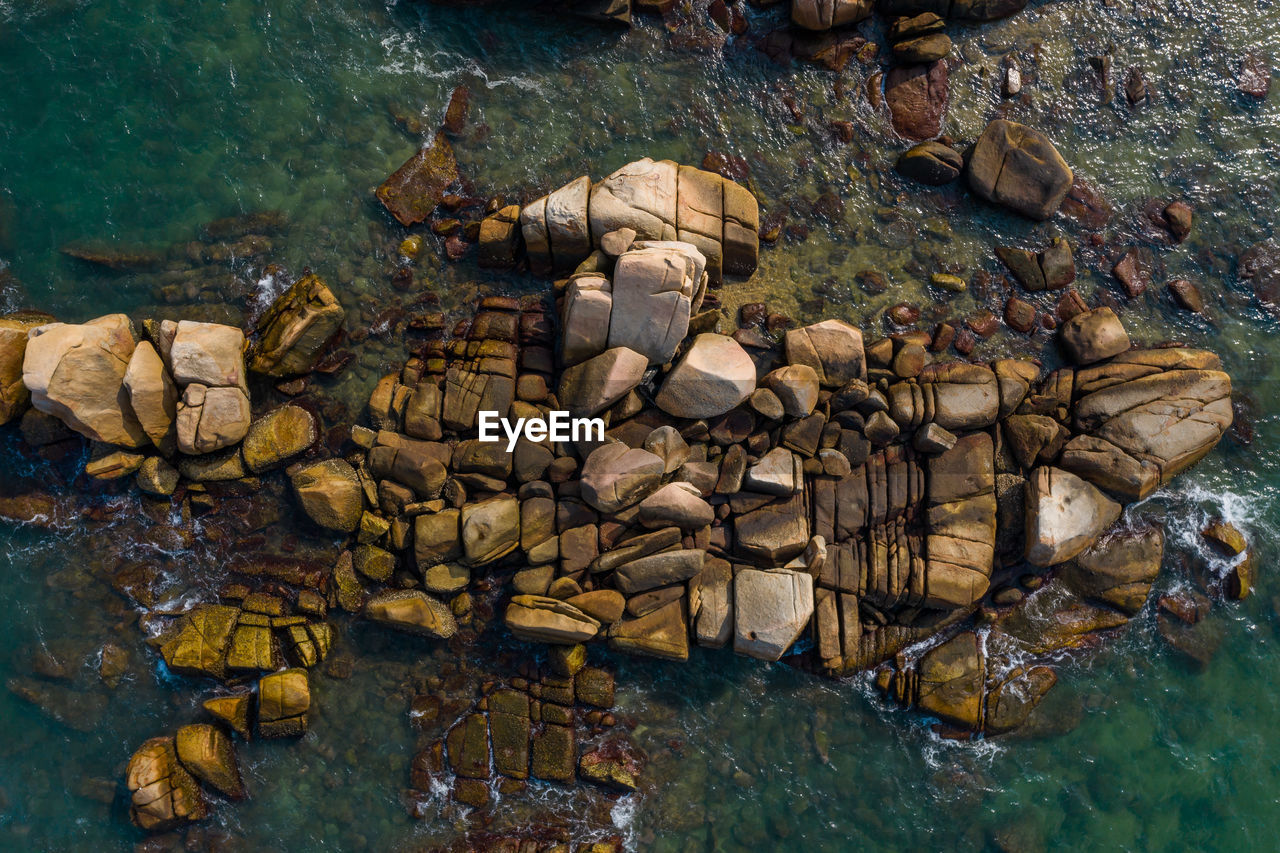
(232, 710)
(437, 538)
(778, 472)
(1093, 336)
(796, 386)
(278, 436)
(14, 396)
(615, 477)
(1118, 569)
(825, 14)
(329, 493)
(1011, 702)
(917, 99)
(766, 404)
(657, 570)
(490, 529)
(1034, 439)
(933, 439)
(832, 348)
(713, 377)
(661, 633)
(950, 681)
(676, 504)
(157, 477)
(924, 48)
(600, 767)
(603, 605)
(446, 578)
(931, 163)
(201, 645)
(1065, 515)
(566, 223)
(1018, 167)
(210, 419)
(152, 395)
(554, 755)
(162, 794)
(546, 620)
(773, 533)
(640, 196)
(1132, 272)
(667, 443)
(413, 191)
(1187, 295)
(960, 523)
(76, 373)
(771, 610)
(589, 388)
(207, 354)
(1225, 538)
(284, 699)
(293, 333)
(1178, 217)
(208, 755)
(654, 289)
(588, 305)
(1253, 78)
(413, 611)
(616, 242)
(499, 238)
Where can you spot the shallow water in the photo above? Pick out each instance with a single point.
(136, 123)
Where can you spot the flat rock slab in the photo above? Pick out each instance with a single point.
(413, 191)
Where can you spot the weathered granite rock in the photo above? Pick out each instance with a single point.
(640, 196)
(1018, 167)
(413, 191)
(200, 648)
(931, 163)
(712, 377)
(413, 611)
(490, 529)
(1065, 515)
(14, 329)
(232, 710)
(771, 610)
(207, 354)
(152, 395)
(500, 238)
(547, 620)
(210, 419)
(284, 699)
(796, 386)
(654, 288)
(657, 570)
(1118, 569)
(615, 476)
(300, 323)
(661, 633)
(162, 794)
(594, 385)
(960, 523)
(208, 755)
(678, 504)
(588, 305)
(951, 680)
(278, 436)
(330, 493)
(76, 373)
(1093, 336)
(825, 14)
(917, 99)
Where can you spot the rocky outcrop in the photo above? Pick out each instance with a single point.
(1016, 166)
(293, 333)
(162, 793)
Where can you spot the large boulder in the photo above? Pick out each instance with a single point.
(657, 570)
(330, 493)
(548, 620)
(14, 330)
(917, 99)
(1092, 336)
(297, 327)
(950, 681)
(413, 191)
(713, 376)
(640, 196)
(654, 288)
(615, 476)
(588, 304)
(1018, 167)
(660, 633)
(825, 14)
(414, 611)
(162, 794)
(284, 700)
(589, 388)
(771, 610)
(490, 529)
(678, 504)
(833, 348)
(1119, 568)
(1064, 516)
(210, 419)
(209, 354)
(152, 395)
(278, 436)
(208, 754)
(76, 373)
(960, 523)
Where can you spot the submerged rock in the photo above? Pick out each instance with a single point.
(293, 333)
(1018, 167)
(414, 190)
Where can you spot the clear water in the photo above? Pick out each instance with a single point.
(134, 123)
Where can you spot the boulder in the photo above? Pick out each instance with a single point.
(640, 196)
(796, 387)
(589, 388)
(200, 647)
(413, 611)
(771, 610)
(676, 504)
(1016, 166)
(615, 476)
(658, 570)
(490, 529)
(413, 191)
(917, 99)
(778, 472)
(207, 354)
(14, 329)
(960, 523)
(773, 533)
(210, 419)
(548, 620)
(1118, 569)
(292, 335)
(206, 752)
(330, 493)
(741, 229)
(713, 376)
(1093, 336)
(155, 476)
(588, 304)
(152, 395)
(284, 699)
(1065, 515)
(76, 373)
(566, 221)
(660, 633)
(654, 287)
(825, 14)
(278, 436)
(950, 681)
(162, 794)
(711, 603)
(1011, 702)
(603, 605)
(931, 163)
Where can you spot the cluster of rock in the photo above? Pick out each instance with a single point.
(646, 200)
(166, 774)
(174, 402)
(553, 726)
(825, 14)
(1011, 164)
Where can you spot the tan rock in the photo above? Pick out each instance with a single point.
(413, 611)
(278, 436)
(1065, 515)
(162, 794)
(330, 493)
(208, 755)
(14, 329)
(297, 327)
(713, 376)
(152, 395)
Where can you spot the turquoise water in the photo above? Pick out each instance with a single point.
(136, 123)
